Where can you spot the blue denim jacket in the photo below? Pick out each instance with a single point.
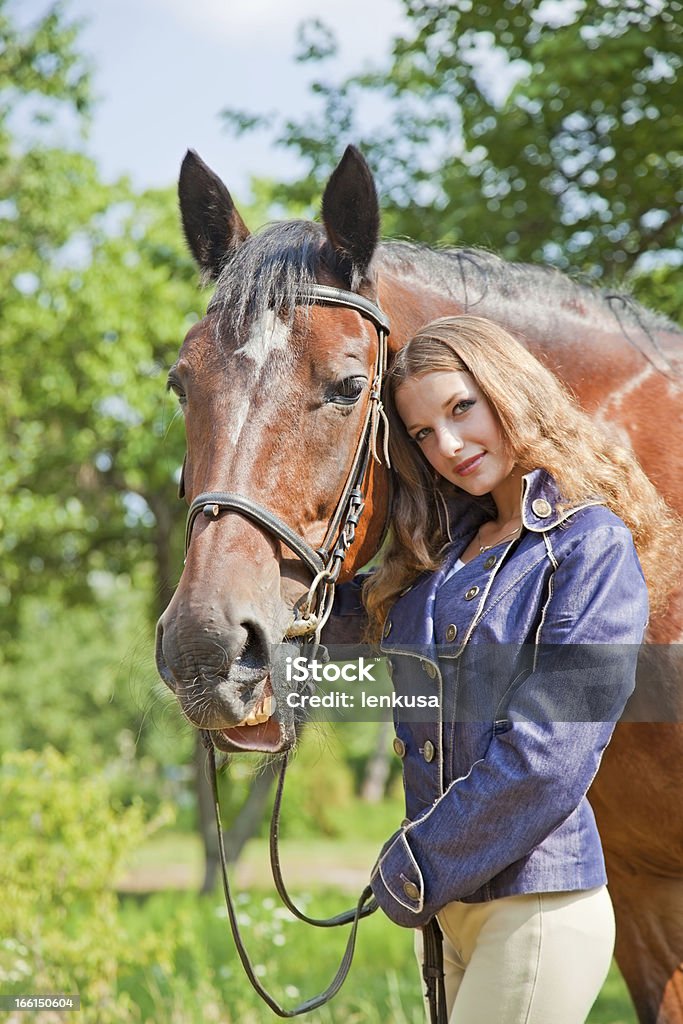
(531, 648)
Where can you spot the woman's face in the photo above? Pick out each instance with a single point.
(453, 424)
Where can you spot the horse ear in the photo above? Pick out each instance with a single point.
(213, 227)
(350, 212)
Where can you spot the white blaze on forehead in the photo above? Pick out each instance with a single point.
(238, 417)
(266, 334)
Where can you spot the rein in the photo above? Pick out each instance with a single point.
(325, 564)
(366, 905)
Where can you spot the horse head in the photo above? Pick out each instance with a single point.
(276, 391)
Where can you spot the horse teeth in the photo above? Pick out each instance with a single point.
(258, 717)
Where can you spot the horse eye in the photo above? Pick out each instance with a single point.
(347, 391)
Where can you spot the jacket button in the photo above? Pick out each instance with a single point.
(541, 508)
(387, 628)
(451, 633)
(490, 562)
(429, 669)
(428, 751)
(471, 593)
(411, 891)
(399, 747)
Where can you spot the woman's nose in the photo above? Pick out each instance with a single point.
(449, 442)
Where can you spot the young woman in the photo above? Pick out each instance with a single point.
(511, 589)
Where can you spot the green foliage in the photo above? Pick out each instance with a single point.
(42, 61)
(97, 292)
(62, 847)
(89, 335)
(662, 289)
(324, 778)
(548, 137)
(84, 682)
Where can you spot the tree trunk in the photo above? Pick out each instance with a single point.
(246, 821)
(378, 767)
(251, 812)
(206, 815)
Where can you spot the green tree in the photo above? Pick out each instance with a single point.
(98, 291)
(63, 845)
(548, 132)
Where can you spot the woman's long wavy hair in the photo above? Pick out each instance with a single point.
(543, 427)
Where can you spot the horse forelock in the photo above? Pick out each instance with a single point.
(261, 278)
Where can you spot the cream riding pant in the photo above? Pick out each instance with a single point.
(540, 958)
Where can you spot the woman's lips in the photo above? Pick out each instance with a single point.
(469, 465)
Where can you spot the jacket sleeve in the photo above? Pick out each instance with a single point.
(534, 774)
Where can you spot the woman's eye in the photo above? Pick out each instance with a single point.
(421, 434)
(463, 406)
(347, 391)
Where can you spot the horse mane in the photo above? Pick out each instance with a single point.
(268, 269)
(472, 274)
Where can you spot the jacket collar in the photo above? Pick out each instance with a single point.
(540, 499)
(413, 615)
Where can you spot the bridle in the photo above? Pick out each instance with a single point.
(326, 561)
(325, 564)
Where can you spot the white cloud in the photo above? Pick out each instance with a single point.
(359, 25)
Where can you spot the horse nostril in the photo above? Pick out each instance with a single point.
(254, 653)
(162, 667)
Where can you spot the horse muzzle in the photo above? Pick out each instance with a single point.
(239, 701)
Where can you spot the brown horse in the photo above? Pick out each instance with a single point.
(275, 394)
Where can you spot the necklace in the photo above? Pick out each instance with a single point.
(487, 547)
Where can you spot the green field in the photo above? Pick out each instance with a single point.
(206, 983)
(99, 900)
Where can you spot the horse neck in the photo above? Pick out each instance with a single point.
(410, 304)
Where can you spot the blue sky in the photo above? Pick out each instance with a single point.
(163, 69)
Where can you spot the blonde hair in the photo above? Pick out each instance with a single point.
(543, 428)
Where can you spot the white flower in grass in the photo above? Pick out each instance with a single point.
(282, 914)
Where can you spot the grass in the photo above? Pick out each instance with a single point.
(205, 981)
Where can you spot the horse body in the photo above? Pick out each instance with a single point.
(274, 397)
(636, 795)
